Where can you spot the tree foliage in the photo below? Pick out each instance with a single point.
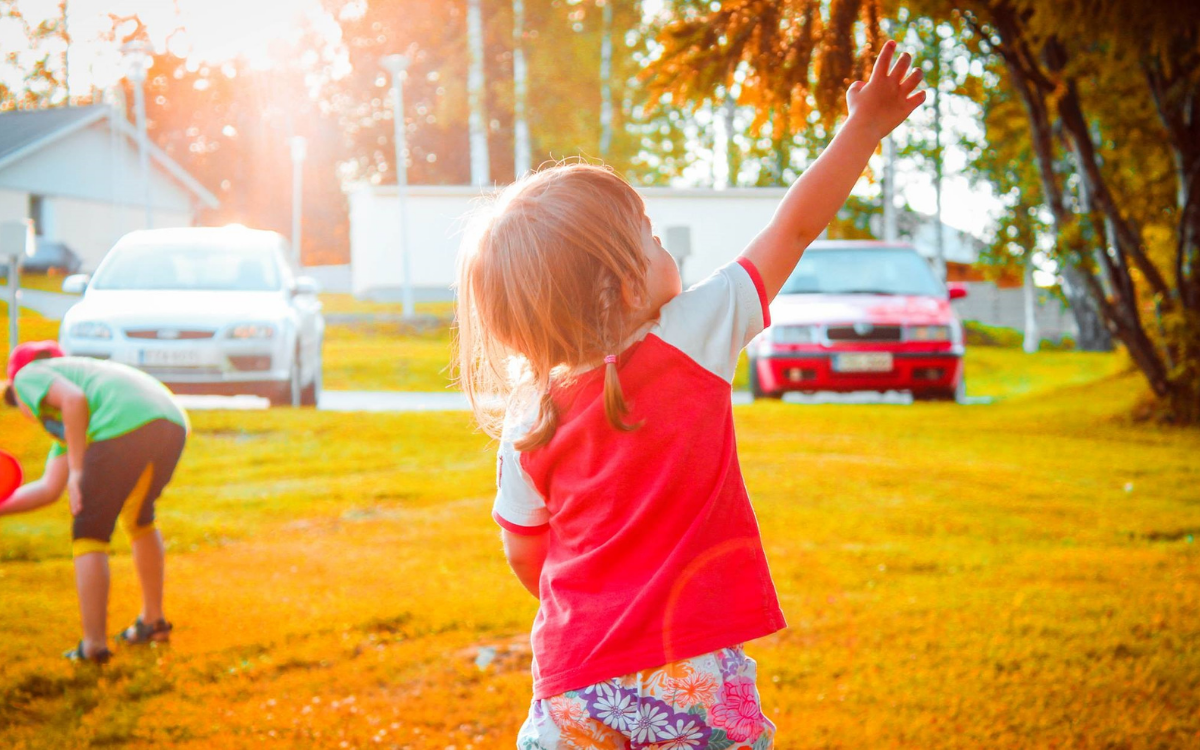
(787, 52)
(40, 64)
(1088, 74)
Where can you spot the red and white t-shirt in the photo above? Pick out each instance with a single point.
(654, 552)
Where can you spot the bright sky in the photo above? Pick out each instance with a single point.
(216, 29)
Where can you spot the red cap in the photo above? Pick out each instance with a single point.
(26, 353)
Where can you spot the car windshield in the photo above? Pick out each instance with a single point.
(876, 270)
(193, 268)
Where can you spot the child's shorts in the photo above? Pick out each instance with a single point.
(708, 701)
(122, 477)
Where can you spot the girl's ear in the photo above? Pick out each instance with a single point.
(632, 300)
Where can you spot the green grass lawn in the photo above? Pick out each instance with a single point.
(386, 357)
(347, 304)
(1021, 574)
(42, 282)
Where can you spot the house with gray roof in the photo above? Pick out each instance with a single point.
(75, 172)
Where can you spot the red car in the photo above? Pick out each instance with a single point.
(861, 316)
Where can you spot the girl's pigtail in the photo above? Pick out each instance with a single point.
(615, 407)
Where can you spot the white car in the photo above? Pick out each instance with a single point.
(204, 310)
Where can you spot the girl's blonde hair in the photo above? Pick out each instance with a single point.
(551, 276)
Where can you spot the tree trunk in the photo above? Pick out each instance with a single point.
(1032, 340)
(1093, 335)
(1175, 89)
(477, 118)
(606, 107)
(522, 159)
(731, 160)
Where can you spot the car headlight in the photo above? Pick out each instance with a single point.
(252, 331)
(929, 333)
(91, 330)
(793, 335)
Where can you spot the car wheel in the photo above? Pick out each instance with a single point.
(756, 391)
(287, 392)
(937, 394)
(311, 394)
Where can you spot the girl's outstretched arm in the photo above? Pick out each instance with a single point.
(876, 107)
(41, 493)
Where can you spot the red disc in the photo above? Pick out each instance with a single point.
(10, 475)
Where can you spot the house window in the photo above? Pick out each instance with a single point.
(36, 211)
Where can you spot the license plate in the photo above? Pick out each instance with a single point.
(170, 358)
(863, 362)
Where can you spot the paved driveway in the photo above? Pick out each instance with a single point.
(47, 304)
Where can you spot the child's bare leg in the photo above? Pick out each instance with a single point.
(150, 561)
(91, 581)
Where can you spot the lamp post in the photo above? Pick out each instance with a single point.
(396, 65)
(16, 240)
(299, 152)
(137, 62)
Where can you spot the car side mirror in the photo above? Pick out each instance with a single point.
(306, 285)
(957, 290)
(75, 283)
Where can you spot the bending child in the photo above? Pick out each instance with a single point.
(620, 498)
(118, 435)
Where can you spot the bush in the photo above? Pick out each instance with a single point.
(981, 334)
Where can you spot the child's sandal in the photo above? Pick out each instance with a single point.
(77, 654)
(139, 632)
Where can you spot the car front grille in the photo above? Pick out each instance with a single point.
(864, 332)
(168, 334)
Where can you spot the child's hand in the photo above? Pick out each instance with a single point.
(75, 493)
(887, 98)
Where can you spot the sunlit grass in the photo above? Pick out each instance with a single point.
(386, 357)
(348, 304)
(42, 282)
(30, 327)
(1018, 574)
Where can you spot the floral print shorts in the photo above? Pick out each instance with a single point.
(708, 702)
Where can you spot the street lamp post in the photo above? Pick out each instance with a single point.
(138, 62)
(396, 65)
(299, 152)
(16, 241)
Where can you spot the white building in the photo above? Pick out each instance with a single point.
(75, 172)
(702, 228)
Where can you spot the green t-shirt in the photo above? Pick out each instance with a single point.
(120, 399)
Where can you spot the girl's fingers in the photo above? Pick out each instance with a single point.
(910, 83)
(902, 65)
(915, 100)
(883, 63)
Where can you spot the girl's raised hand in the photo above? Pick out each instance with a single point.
(889, 96)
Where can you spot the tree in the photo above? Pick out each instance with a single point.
(1058, 56)
(229, 126)
(1092, 84)
(41, 64)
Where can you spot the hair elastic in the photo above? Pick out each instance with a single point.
(610, 359)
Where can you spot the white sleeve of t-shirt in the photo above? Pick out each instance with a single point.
(714, 320)
(519, 507)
